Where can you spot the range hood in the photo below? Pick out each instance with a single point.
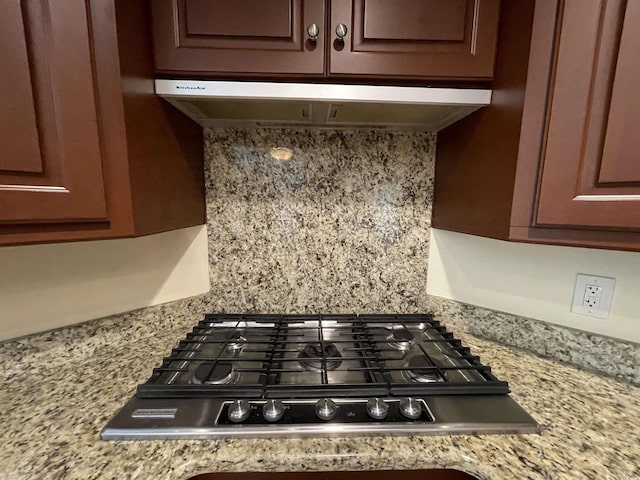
(223, 103)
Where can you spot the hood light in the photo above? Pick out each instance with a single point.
(281, 153)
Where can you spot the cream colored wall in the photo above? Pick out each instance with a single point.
(48, 286)
(535, 281)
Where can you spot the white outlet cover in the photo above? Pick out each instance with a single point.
(606, 298)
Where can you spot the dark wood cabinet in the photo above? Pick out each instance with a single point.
(50, 158)
(399, 39)
(215, 37)
(591, 160)
(86, 148)
(554, 158)
(437, 39)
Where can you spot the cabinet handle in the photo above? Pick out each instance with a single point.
(313, 31)
(341, 31)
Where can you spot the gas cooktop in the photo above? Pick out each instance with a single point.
(274, 375)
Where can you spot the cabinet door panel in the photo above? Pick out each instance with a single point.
(246, 18)
(590, 167)
(56, 174)
(220, 37)
(415, 38)
(20, 148)
(621, 154)
(429, 20)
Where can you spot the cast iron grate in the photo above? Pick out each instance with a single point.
(268, 365)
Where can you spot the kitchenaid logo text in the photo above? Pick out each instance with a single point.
(188, 87)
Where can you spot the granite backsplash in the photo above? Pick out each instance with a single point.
(342, 226)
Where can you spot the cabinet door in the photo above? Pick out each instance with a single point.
(591, 164)
(222, 37)
(436, 39)
(50, 159)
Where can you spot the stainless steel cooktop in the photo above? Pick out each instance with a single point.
(292, 375)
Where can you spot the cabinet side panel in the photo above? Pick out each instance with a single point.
(535, 112)
(164, 146)
(476, 157)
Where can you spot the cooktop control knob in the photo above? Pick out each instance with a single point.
(326, 409)
(273, 410)
(239, 411)
(410, 408)
(377, 409)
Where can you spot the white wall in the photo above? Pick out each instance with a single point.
(48, 286)
(535, 281)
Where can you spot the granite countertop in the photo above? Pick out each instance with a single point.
(60, 388)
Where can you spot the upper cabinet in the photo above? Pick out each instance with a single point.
(554, 158)
(436, 39)
(87, 150)
(401, 39)
(590, 173)
(239, 36)
(50, 157)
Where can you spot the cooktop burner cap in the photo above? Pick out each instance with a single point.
(211, 373)
(400, 338)
(236, 341)
(418, 370)
(312, 354)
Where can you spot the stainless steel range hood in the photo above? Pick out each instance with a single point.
(222, 103)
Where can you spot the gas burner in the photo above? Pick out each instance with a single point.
(212, 373)
(280, 375)
(312, 354)
(400, 338)
(236, 341)
(415, 373)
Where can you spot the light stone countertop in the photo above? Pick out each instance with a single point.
(60, 388)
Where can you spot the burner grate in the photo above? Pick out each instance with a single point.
(351, 355)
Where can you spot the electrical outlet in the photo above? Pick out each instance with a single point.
(593, 295)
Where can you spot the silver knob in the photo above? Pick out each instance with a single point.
(326, 409)
(239, 411)
(273, 410)
(341, 31)
(410, 408)
(377, 409)
(313, 31)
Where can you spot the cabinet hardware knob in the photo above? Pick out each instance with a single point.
(341, 31)
(313, 31)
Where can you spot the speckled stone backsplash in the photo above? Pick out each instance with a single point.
(342, 226)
